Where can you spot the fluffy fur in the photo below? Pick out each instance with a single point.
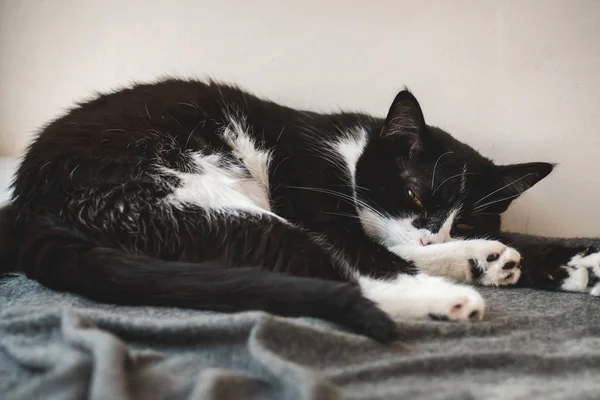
(191, 194)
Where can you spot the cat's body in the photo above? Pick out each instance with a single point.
(182, 193)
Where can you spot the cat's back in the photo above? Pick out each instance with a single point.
(143, 142)
(118, 136)
(168, 108)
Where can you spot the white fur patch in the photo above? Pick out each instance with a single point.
(243, 147)
(391, 231)
(577, 280)
(401, 231)
(424, 297)
(351, 147)
(443, 235)
(443, 256)
(218, 188)
(224, 187)
(580, 268)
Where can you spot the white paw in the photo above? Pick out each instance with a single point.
(486, 262)
(584, 273)
(424, 297)
(577, 281)
(492, 263)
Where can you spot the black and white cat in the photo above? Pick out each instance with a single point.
(191, 194)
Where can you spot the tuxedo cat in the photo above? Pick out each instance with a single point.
(201, 195)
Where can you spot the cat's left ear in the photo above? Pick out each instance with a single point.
(404, 118)
(514, 180)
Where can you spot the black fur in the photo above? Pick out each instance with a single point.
(89, 216)
(543, 259)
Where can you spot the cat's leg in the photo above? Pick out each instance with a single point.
(396, 286)
(558, 264)
(424, 297)
(584, 272)
(485, 262)
(66, 259)
(277, 245)
(369, 257)
(239, 237)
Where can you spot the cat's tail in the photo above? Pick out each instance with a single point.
(66, 260)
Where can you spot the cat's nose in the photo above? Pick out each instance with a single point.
(425, 242)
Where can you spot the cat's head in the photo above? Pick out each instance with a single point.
(416, 184)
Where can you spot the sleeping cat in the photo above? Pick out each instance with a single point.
(190, 194)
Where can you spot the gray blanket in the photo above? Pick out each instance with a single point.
(531, 344)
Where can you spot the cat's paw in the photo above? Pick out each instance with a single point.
(424, 297)
(583, 273)
(492, 263)
(457, 304)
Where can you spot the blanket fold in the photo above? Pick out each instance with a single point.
(531, 344)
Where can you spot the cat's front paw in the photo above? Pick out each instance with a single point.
(583, 272)
(493, 263)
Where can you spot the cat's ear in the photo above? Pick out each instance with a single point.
(514, 180)
(404, 117)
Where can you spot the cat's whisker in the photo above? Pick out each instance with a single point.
(280, 133)
(340, 214)
(351, 200)
(435, 166)
(502, 188)
(483, 206)
(452, 177)
(326, 191)
(332, 161)
(321, 152)
(279, 164)
(356, 186)
(463, 181)
(189, 137)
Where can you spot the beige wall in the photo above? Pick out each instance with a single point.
(518, 80)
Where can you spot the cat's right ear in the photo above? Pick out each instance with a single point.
(404, 117)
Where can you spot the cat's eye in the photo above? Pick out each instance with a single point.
(415, 199)
(465, 227)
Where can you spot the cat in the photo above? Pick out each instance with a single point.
(201, 195)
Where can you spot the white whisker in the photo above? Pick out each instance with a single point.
(435, 166)
(278, 165)
(454, 176)
(280, 133)
(463, 181)
(340, 214)
(503, 187)
(481, 207)
(189, 137)
(349, 199)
